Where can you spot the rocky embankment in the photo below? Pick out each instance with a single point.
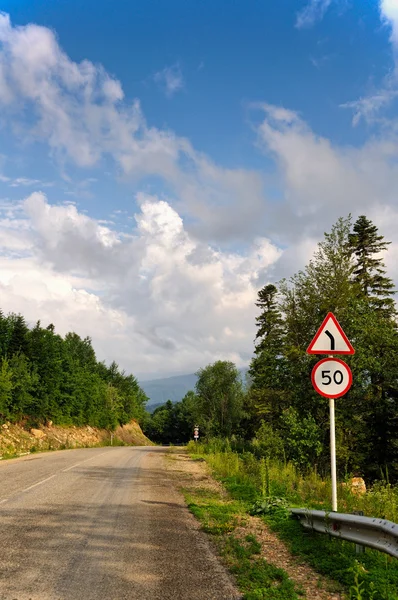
(17, 440)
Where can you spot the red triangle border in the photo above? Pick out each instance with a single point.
(330, 315)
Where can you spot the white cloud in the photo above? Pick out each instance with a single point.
(81, 113)
(165, 297)
(170, 79)
(157, 300)
(312, 12)
(322, 182)
(389, 11)
(370, 106)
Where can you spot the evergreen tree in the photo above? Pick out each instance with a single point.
(5, 332)
(269, 322)
(18, 342)
(5, 389)
(369, 272)
(267, 397)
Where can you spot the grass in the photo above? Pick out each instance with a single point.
(256, 578)
(369, 576)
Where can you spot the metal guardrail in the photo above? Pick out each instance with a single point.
(365, 531)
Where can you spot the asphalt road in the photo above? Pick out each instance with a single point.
(101, 523)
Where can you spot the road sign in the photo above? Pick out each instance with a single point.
(331, 377)
(196, 433)
(330, 338)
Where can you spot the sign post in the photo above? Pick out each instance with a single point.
(332, 378)
(196, 434)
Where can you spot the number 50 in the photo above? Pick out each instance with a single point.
(337, 377)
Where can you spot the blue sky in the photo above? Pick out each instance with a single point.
(255, 125)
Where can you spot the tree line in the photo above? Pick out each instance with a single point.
(277, 409)
(44, 376)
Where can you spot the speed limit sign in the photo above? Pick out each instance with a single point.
(331, 377)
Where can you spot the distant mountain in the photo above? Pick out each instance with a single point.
(170, 388)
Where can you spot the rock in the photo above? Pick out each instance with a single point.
(38, 433)
(358, 486)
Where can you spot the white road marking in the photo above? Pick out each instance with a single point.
(52, 476)
(81, 462)
(38, 483)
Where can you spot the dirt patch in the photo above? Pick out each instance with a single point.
(196, 475)
(274, 551)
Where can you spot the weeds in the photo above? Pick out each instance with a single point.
(256, 578)
(267, 488)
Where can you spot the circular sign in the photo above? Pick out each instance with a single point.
(331, 377)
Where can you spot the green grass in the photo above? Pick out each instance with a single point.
(368, 576)
(256, 578)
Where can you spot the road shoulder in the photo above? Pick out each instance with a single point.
(254, 554)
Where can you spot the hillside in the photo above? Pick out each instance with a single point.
(16, 441)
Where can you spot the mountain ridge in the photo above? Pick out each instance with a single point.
(171, 388)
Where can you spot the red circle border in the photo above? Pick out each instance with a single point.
(332, 396)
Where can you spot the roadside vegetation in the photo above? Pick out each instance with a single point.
(267, 488)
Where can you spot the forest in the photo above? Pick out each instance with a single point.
(44, 376)
(276, 412)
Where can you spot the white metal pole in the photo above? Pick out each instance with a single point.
(333, 455)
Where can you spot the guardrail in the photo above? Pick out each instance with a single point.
(365, 531)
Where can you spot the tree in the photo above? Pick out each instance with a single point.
(5, 333)
(18, 342)
(266, 397)
(269, 322)
(24, 381)
(5, 388)
(369, 271)
(220, 398)
(281, 392)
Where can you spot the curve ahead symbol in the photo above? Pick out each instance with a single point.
(331, 337)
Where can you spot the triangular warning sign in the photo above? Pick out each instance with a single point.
(330, 339)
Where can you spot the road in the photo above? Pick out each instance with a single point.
(101, 523)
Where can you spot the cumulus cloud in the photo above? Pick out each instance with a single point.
(157, 300)
(170, 79)
(167, 297)
(80, 111)
(322, 182)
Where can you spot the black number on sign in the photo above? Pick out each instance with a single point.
(337, 375)
(326, 376)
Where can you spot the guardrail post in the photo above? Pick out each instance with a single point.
(359, 548)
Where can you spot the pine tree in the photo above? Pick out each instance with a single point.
(267, 396)
(369, 271)
(19, 341)
(269, 322)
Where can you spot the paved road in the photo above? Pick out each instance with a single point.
(101, 523)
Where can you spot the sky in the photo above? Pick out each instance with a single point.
(161, 162)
